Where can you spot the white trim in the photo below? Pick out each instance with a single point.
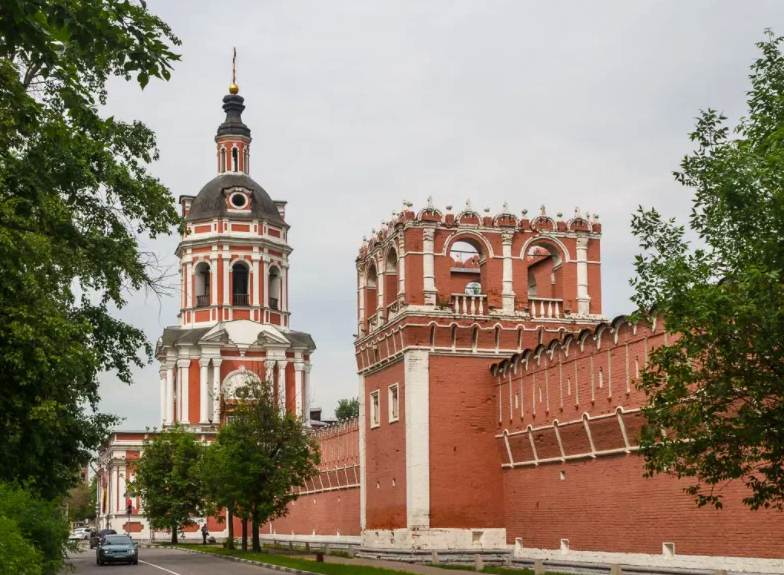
(417, 423)
(393, 405)
(375, 409)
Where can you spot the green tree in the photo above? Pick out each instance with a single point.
(18, 555)
(81, 501)
(715, 410)
(75, 196)
(264, 453)
(42, 524)
(168, 480)
(347, 409)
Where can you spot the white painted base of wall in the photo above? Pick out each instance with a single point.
(732, 564)
(438, 539)
(313, 539)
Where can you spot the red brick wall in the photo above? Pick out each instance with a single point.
(464, 461)
(385, 454)
(606, 505)
(327, 513)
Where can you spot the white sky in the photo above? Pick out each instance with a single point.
(357, 105)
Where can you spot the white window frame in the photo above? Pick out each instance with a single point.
(394, 403)
(375, 409)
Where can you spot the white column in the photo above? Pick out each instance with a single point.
(361, 270)
(226, 271)
(380, 276)
(362, 457)
(204, 411)
(306, 392)
(113, 502)
(169, 393)
(299, 365)
(162, 378)
(284, 288)
(417, 418)
(282, 385)
(429, 266)
(216, 390)
(401, 267)
(507, 294)
(265, 279)
(122, 489)
(214, 278)
(182, 400)
(583, 299)
(256, 279)
(189, 286)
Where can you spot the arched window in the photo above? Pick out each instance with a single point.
(235, 159)
(246, 161)
(240, 274)
(466, 276)
(274, 287)
(545, 289)
(390, 278)
(223, 160)
(371, 300)
(202, 278)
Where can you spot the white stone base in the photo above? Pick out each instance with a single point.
(336, 540)
(435, 539)
(687, 562)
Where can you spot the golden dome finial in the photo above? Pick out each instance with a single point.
(233, 88)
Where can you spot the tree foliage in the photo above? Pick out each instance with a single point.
(259, 456)
(347, 409)
(40, 523)
(715, 404)
(81, 501)
(75, 195)
(168, 480)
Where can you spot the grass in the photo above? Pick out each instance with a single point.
(338, 568)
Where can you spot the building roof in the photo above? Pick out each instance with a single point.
(176, 335)
(211, 200)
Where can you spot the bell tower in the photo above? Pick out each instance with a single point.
(234, 314)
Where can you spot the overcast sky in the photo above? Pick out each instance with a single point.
(355, 106)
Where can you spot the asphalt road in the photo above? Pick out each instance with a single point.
(167, 561)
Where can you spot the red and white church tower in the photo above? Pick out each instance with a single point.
(234, 309)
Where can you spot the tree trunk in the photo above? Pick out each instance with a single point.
(244, 534)
(174, 536)
(255, 537)
(230, 518)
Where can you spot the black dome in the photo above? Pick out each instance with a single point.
(211, 200)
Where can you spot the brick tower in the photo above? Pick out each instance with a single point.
(441, 297)
(234, 277)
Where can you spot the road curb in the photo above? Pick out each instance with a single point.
(235, 559)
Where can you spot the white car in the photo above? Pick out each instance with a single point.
(80, 534)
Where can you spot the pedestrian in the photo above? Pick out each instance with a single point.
(204, 533)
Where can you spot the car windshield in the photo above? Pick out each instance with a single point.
(117, 540)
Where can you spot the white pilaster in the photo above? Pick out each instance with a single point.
(380, 281)
(284, 288)
(162, 378)
(429, 266)
(121, 490)
(507, 294)
(265, 279)
(257, 283)
(401, 267)
(204, 408)
(169, 413)
(282, 385)
(362, 457)
(214, 278)
(189, 286)
(417, 418)
(583, 299)
(216, 390)
(306, 392)
(113, 502)
(361, 270)
(299, 392)
(226, 270)
(182, 400)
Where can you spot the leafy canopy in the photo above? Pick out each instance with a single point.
(347, 409)
(716, 391)
(259, 456)
(75, 195)
(168, 481)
